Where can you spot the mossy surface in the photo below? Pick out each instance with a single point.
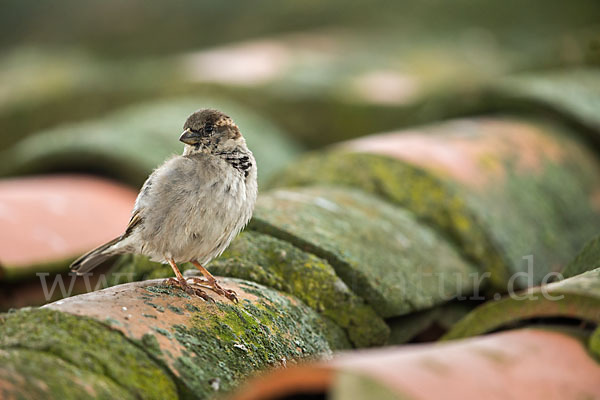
(227, 343)
(576, 298)
(433, 200)
(540, 217)
(594, 344)
(65, 356)
(587, 259)
(533, 196)
(280, 265)
(380, 251)
(29, 374)
(204, 347)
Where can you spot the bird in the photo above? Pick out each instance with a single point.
(192, 206)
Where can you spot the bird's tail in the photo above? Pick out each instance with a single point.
(93, 258)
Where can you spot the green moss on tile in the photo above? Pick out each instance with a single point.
(163, 332)
(81, 347)
(594, 344)
(546, 209)
(39, 375)
(435, 201)
(151, 345)
(156, 307)
(205, 342)
(280, 265)
(575, 298)
(380, 251)
(587, 259)
(229, 342)
(546, 214)
(176, 310)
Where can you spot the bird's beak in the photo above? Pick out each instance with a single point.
(189, 137)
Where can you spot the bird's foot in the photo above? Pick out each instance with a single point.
(189, 289)
(215, 287)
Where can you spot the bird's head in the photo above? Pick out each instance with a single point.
(210, 131)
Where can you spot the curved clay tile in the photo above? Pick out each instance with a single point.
(48, 220)
(526, 363)
(499, 188)
(574, 298)
(145, 339)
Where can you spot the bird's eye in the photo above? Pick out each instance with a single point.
(208, 128)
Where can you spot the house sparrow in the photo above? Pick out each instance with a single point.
(191, 207)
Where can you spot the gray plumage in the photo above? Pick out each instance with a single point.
(191, 207)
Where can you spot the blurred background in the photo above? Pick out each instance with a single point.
(320, 71)
(103, 87)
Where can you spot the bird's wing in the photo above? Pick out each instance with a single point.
(136, 214)
(136, 218)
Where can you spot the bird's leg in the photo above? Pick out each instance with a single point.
(212, 282)
(182, 283)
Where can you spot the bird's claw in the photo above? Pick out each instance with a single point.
(189, 289)
(215, 287)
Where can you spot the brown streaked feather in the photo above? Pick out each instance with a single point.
(136, 218)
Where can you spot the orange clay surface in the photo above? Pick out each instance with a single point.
(528, 363)
(49, 218)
